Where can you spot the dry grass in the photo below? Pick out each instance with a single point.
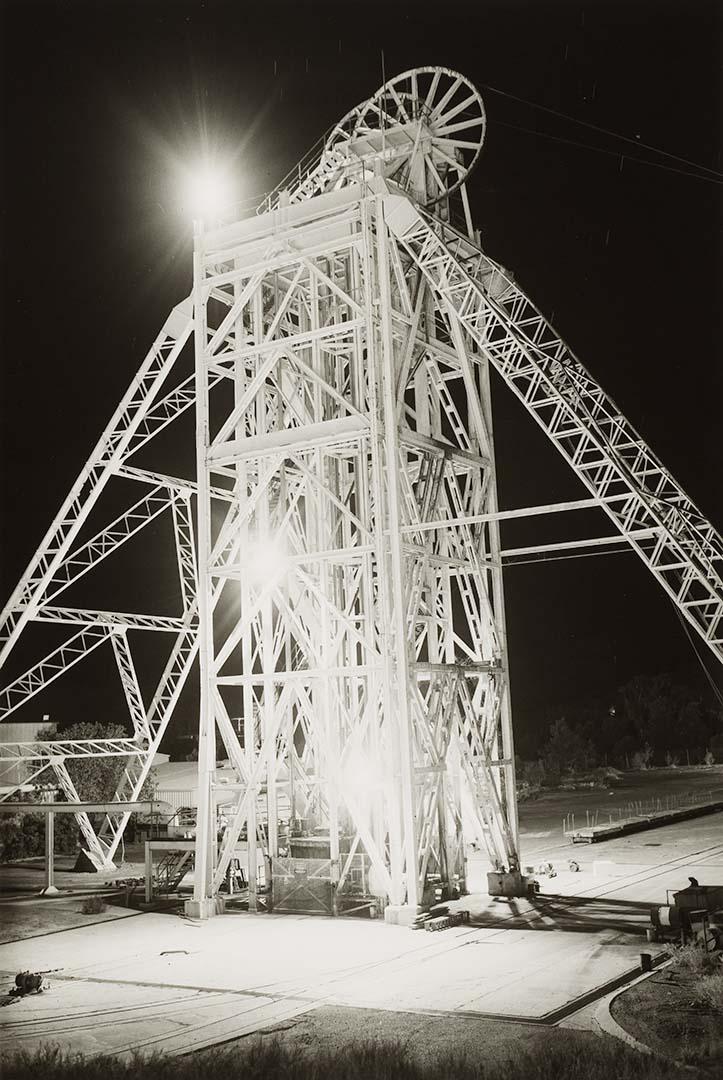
(690, 961)
(254, 1060)
(710, 993)
(699, 978)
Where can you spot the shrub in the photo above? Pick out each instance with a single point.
(94, 905)
(691, 961)
(527, 791)
(642, 759)
(709, 992)
(22, 836)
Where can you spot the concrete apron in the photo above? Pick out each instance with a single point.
(160, 983)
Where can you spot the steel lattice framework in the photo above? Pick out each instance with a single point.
(347, 601)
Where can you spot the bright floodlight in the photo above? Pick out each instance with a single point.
(208, 191)
(265, 560)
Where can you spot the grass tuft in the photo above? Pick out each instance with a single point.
(691, 961)
(558, 1059)
(94, 905)
(709, 993)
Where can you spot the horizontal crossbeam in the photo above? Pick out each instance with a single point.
(78, 808)
(70, 748)
(111, 619)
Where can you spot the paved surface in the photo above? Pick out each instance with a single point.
(176, 985)
(541, 819)
(161, 982)
(236, 974)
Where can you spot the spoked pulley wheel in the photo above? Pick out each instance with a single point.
(431, 122)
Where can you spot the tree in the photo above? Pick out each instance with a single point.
(96, 778)
(669, 716)
(567, 748)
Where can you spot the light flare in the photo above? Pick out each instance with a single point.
(208, 190)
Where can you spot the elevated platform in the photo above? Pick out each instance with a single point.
(595, 833)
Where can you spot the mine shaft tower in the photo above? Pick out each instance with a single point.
(368, 660)
(343, 582)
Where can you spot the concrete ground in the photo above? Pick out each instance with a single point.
(162, 982)
(177, 986)
(541, 818)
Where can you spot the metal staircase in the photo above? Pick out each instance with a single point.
(170, 871)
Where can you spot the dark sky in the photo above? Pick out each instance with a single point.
(101, 101)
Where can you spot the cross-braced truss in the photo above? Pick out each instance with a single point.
(368, 666)
(348, 607)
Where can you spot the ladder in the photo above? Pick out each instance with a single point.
(171, 870)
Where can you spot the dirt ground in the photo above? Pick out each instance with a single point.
(425, 1037)
(29, 918)
(660, 1012)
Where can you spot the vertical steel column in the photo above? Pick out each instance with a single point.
(480, 408)
(247, 696)
(402, 716)
(148, 872)
(202, 905)
(49, 851)
(381, 608)
(498, 600)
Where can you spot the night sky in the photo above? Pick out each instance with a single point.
(103, 102)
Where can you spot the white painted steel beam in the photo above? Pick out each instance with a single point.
(93, 478)
(67, 748)
(589, 430)
(50, 668)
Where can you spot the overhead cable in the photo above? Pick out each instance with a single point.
(610, 153)
(707, 674)
(605, 131)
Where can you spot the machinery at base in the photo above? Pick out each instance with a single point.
(690, 916)
(30, 982)
(512, 883)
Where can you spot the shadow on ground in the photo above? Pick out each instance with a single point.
(554, 911)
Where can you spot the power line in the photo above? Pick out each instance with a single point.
(610, 153)
(622, 551)
(522, 561)
(707, 674)
(604, 131)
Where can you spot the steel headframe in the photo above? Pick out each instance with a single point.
(348, 606)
